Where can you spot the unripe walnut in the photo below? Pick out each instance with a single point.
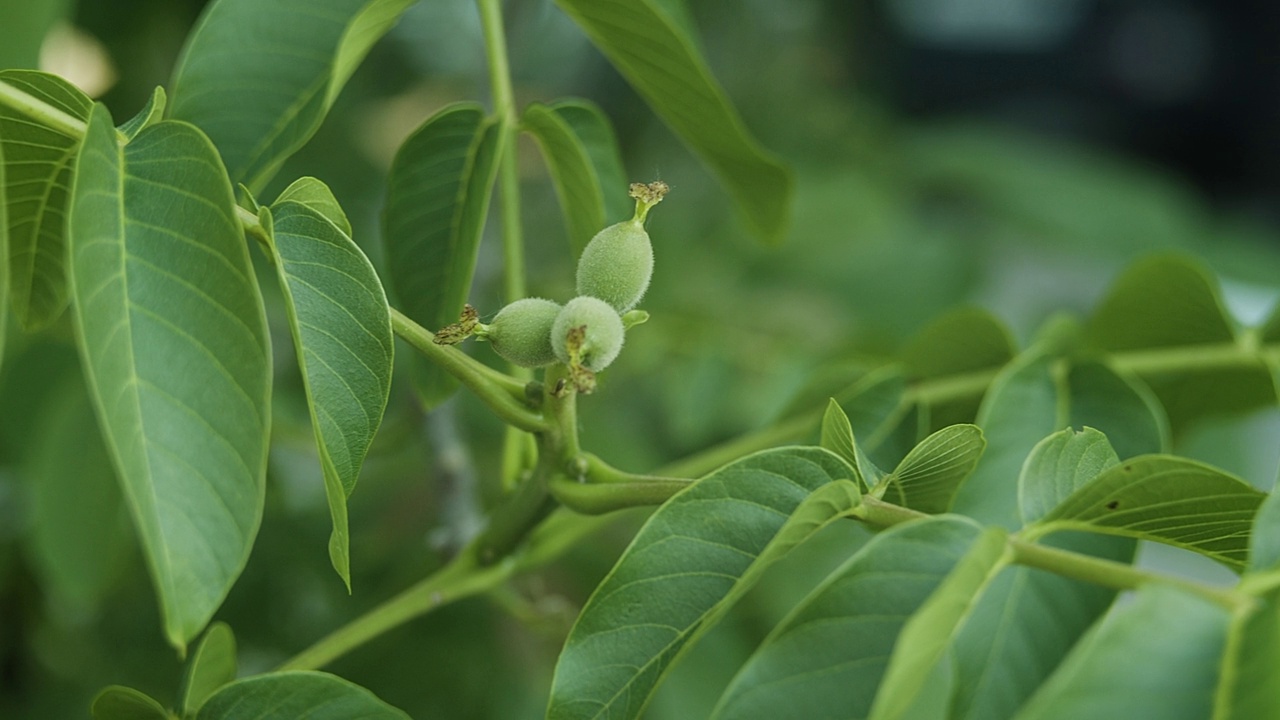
(602, 338)
(616, 265)
(521, 332)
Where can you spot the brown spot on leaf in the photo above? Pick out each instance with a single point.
(1113, 504)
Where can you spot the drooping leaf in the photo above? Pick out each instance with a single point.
(1024, 624)
(572, 172)
(148, 116)
(1058, 466)
(116, 702)
(1023, 404)
(595, 132)
(80, 536)
(23, 28)
(837, 434)
(1119, 405)
(212, 664)
(927, 478)
(1250, 670)
(39, 163)
(1168, 499)
(172, 333)
(827, 658)
(694, 557)
(661, 61)
(438, 195)
(1156, 659)
(259, 78)
(1170, 301)
(296, 694)
(342, 334)
(925, 637)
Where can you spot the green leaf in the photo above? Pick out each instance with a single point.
(1119, 405)
(212, 664)
(437, 198)
(1154, 659)
(117, 702)
(1023, 404)
(39, 163)
(23, 28)
(1167, 499)
(4, 258)
(80, 537)
(148, 116)
(661, 61)
(316, 195)
(927, 478)
(874, 405)
(1250, 670)
(173, 338)
(572, 172)
(1058, 466)
(292, 695)
(595, 132)
(260, 77)
(342, 334)
(1264, 544)
(1169, 301)
(961, 341)
(926, 636)
(827, 658)
(694, 557)
(837, 434)
(1004, 651)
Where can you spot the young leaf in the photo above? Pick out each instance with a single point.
(316, 195)
(1023, 405)
(594, 131)
(694, 557)
(117, 702)
(1156, 659)
(928, 476)
(1167, 499)
(296, 694)
(1058, 466)
(342, 334)
(926, 636)
(837, 434)
(1121, 406)
(148, 116)
(827, 658)
(1169, 301)
(874, 406)
(437, 198)
(212, 664)
(172, 333)
(39, 163)
(1250, 670)
(1003, 652)
(260, 77)
(572, 172)
(80, 537)
(660, 59)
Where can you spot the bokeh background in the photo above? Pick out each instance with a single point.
(1010, 154)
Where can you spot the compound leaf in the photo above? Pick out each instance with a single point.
(341, 329)
(694, 557)
(172, 333)
(437, 199)
(260, 77)
(39, 163)
(296, 694)
(656, 54)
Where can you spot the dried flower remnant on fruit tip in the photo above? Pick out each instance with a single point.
(583, 379)
(648, 195)
(455, 333)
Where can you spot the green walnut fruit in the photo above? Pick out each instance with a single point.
(616, 265)
(521, 332)
(601, 337)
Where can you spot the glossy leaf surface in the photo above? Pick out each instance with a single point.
(173, 338)
(654, 51)
(39, 164)
(342, 335)
(259, 78)
(693, 558)
(830, 654)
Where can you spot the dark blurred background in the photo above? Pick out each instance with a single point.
(1014, 154)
